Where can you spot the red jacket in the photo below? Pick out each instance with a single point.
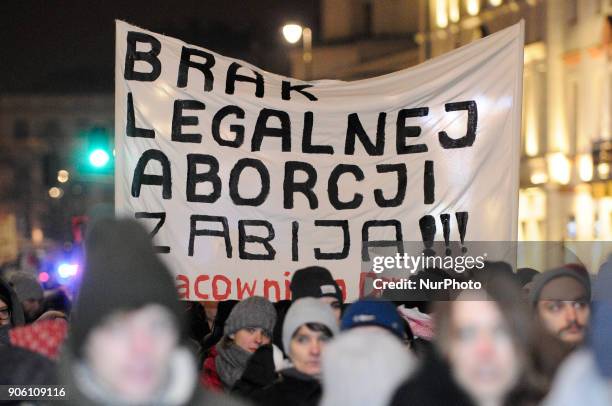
(44, 337)
(209, 378)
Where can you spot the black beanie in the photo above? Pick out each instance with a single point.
(314, 281)
(122, 273)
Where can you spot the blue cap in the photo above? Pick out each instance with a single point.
(372, 312)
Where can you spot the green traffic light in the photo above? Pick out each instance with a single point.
(98, 158)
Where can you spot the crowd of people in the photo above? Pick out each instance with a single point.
(527, 338)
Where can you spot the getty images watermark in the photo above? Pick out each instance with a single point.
(402, 263)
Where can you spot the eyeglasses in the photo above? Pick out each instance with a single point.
(5, 313)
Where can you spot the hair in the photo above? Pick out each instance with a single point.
(502, 290)
(6, 300)
(315, 327)
(226, 342)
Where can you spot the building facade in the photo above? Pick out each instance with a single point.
(566, 183)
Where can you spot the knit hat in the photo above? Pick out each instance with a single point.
(255, 311)
(314, 281)
(307, 310)
(544, 278)
(364, 368)
(370, 312)
(122, 273)
(26, 286)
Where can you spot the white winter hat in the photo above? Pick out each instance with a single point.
(307, 310)
(364, 367)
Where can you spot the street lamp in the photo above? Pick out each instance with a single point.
(292, 34)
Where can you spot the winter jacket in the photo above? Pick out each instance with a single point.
(432, 385)
(22, 367)
(291, 388)
(209, 378)
(44, 337)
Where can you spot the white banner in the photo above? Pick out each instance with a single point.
(245, 176)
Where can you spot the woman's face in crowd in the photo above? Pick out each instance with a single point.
(481, 351)
(305, 350)
(251, 338)
(564, 309)
(131, 352)
(5, 316)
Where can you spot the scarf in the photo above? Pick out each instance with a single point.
(230, 362)
(178, 389)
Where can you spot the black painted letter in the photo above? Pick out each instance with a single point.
(332, 187)
(262, 129)
(233, 77)
(179, 120)
(237, 129)
(264, 175)
(290, 186)
(404, 131)
(186, 63)
(468, 139)
(402, 181)
(193, 178)
(193, 231)
(140, 178)
(354, 128)
(130, 129)
(346, 240)
(132, 55)
(244, 238)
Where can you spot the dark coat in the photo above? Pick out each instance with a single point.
(19, 366)
(291, 388)
(209, 377)
(431, 385)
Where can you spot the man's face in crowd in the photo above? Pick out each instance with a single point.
(31, 309)
(305, 350)
(481, 351)
(564, 310)
(251, 338)
(335, 305)
(131, 352)
(5, 315)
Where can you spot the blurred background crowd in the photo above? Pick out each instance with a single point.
(528, 337)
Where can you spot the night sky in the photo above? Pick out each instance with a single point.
(53, 46)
